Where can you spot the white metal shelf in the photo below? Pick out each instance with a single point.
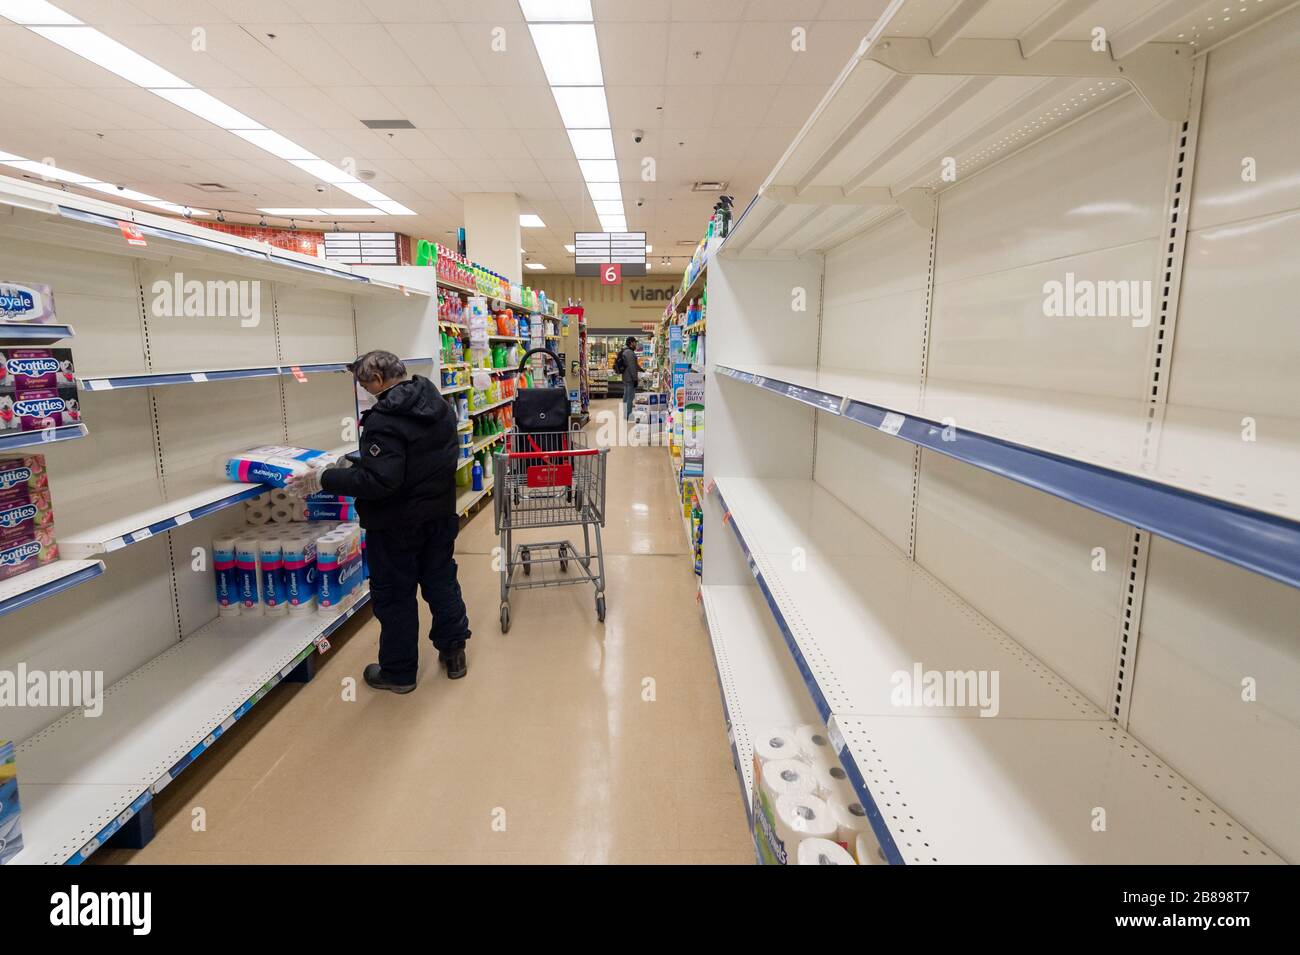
(12, 440)
(454, 391)
(34, 333)
(1180, 472)
(45, 581)
(468, 497)
(81, 777)
(760, 688)
(155, 379)
(854, 613)
(85, 530)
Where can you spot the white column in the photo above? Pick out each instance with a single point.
(492, 232)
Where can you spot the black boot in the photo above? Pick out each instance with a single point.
(375, 679)
(454, 661)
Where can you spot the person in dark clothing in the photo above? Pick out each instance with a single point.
(404, 480)
(627, 365)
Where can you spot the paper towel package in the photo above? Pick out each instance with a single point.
(274, 465)
(11, 832)
(28, 303)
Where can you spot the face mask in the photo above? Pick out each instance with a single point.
(365, 400)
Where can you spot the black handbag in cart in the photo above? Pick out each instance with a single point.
(541, 410)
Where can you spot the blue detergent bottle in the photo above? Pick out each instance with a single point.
(477, 476)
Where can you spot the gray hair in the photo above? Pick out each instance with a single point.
(378, 366)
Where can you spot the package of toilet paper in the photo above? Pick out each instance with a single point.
(248, 554)
(822, 852)
(300, 572)
(274, 465)
(28, 302)
(226, 574)
(338, 569)
(271, 573)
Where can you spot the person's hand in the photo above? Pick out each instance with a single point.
(304, 485)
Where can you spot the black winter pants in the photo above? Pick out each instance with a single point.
(400, 560)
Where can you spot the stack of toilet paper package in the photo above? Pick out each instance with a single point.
(291, 556)
(805, 809)
(26, 515)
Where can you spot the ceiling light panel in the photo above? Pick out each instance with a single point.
(104, 51)
(599, 170)
(604, 190)
(608, 207)
(206, 106)
(530, 221)
(592, 143)
(553, 11)
(568, 53)
(582, 107)
(535, 266)
(274, 143)
(392, 208)
(46, 171)
(324, 171)
(35, 13)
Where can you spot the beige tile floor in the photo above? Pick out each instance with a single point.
(546, 753)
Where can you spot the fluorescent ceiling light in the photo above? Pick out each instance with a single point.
(38, 12)
(362, 191)
(530, 221)
(599, 170)
(649, 248)
(290, 211)
(582, 107)
(178, 209)
(392, 208)
(324, 171)
(568, 53)
(604, 190)
(535, 266)
(568, 247)
(543, 11)
(352, 211)
(120, 193)
(206, 106)
(104, 51)
(47, 171)
(608, 207)
(591, 143)
(274, 143)
(649, 266)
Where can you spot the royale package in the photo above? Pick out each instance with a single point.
(38, 389)
(27, 303)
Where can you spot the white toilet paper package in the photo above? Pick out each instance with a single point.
(275, 465)
(822, 852)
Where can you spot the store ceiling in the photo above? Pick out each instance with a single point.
(714, 84)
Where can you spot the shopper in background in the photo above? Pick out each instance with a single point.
(404, 480)
(629, 368)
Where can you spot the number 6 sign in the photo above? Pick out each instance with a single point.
(611, 274)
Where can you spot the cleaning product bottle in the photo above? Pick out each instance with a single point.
(476, 478)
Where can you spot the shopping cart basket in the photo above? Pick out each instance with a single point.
(549, 479)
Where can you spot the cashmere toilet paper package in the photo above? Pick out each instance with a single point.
(227, 576)
(274, 464)
(338, 569)
(248, 555)
(275, 601)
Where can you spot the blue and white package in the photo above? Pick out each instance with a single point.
(300, 573)
(227, 576)
(11, 832)
(247, 557)
(338, 569)
(274, 464)
(274, 598)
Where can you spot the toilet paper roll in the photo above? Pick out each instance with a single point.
(833, 781)
(822, 852)
(258, 516)
(282, 513)
(785, 776)
(814, 744)
(867, 850)
(801, 816)
(850, 820)
(775, 743)
(281, 496)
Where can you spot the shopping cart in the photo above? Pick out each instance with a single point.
(549, 479)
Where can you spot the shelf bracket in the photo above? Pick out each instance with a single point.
(1161, 73)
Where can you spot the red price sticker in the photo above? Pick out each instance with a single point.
(131, 232)
(611, 274)
(298, 373)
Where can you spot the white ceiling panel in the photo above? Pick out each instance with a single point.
(633, 53)
(699, 53)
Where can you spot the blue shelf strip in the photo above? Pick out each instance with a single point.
(85, 852)
(144, 533)
(110, 383)
(28, 439)
(874, 815)
(36, 594)
(34, 333)
(1258, 542)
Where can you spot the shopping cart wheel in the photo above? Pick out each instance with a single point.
(523, 556)
(600, 608)
(505, 618)
(564, 564)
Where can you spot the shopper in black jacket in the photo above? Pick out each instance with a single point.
(404, 481)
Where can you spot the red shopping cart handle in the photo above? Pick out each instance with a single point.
(551, 454)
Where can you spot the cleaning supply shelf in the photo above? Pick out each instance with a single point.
(83, 777)
(1183, 473)
(855, 614)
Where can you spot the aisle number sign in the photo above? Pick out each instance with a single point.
(594, 253)
(611, 273)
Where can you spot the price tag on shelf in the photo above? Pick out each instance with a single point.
(298, 373)
(322, 644)
(892, 423)
(131, 232)
(760, 380)
(837, 738)
(708, 488)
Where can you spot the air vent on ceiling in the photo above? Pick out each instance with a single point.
(210, 186)
(388, 124)
(709, 187)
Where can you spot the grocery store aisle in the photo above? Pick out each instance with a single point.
(568, 742)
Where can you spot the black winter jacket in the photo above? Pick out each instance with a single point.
(408, 458)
